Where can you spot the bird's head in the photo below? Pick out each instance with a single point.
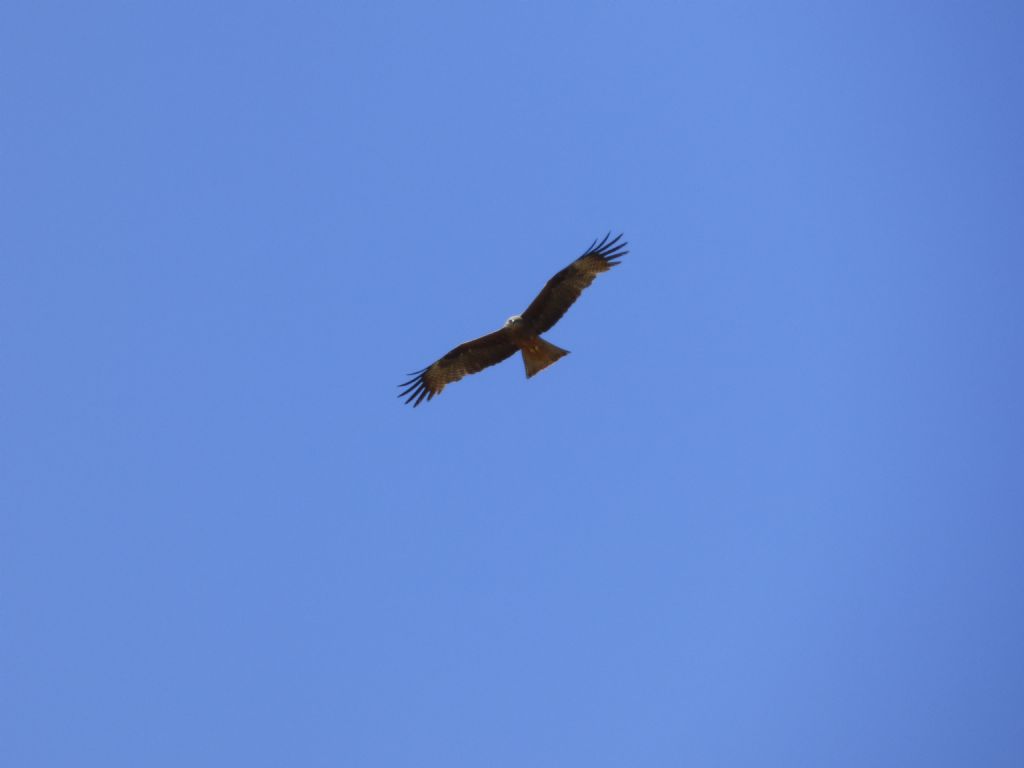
(513, 321)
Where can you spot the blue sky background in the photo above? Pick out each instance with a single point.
(769, 512)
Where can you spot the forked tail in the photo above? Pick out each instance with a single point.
(540, 354)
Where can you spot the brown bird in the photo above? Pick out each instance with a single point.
(520, 332)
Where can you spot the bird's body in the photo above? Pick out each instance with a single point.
(538, 353)
(520, 332)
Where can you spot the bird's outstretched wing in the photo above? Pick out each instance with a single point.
(565, 287)
(471, 357)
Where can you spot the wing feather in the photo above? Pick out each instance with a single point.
(564, 288)
(470, 357)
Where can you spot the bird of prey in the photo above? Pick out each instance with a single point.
(520, 332)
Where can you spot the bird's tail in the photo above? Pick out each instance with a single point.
(539, 354)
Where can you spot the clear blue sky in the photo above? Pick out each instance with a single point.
(769, 512)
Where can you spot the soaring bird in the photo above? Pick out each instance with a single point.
(520, 332)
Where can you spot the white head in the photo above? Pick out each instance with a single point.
(514, 320)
